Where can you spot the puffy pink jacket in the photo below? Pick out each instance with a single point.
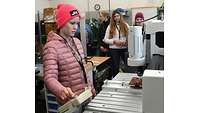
(60, 66)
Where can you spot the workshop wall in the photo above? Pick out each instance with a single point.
(39, 6)
(89, 5)
(83, 5)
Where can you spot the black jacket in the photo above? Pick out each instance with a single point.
(102, 32)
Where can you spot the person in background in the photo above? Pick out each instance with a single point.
(104, 19)
(89, 33)
(117, 38)
(63, 58)
(139, 18)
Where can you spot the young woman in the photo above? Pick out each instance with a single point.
(64, 73)
(117, 36)
(139, 18)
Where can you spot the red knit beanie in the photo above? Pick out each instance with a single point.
(139, 15)
(65, 12)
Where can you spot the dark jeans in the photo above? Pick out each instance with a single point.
(116, 54)
(105, 54)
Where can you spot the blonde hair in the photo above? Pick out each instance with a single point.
(105, 14)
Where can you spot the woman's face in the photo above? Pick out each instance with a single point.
(117, 17)
(139, 21)
(70, 27)
(101, 17)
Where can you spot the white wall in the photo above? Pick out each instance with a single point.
(39, 6)
(82, 5)
(113, 4)
(148, 12)
(88, 5)
(155, 1)
(124, 3)
(104, 4)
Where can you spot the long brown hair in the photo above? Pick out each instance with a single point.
(122, 24)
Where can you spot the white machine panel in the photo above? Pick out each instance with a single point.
(136, 46)
(117, 97)
(153, 91)
(151, 27)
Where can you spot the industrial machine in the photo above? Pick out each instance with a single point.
(155, 31)
(117, 97)
(136, 46)
(138, 49)
(153, 91)
(155, 28)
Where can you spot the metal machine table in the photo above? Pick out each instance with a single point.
(117, 97)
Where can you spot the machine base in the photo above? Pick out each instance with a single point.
(136, 62)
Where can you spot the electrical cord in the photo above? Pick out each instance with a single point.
(150, 18)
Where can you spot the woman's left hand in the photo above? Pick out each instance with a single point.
(123, 43)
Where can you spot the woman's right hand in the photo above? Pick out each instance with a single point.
(118, 42)
(67, 93)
